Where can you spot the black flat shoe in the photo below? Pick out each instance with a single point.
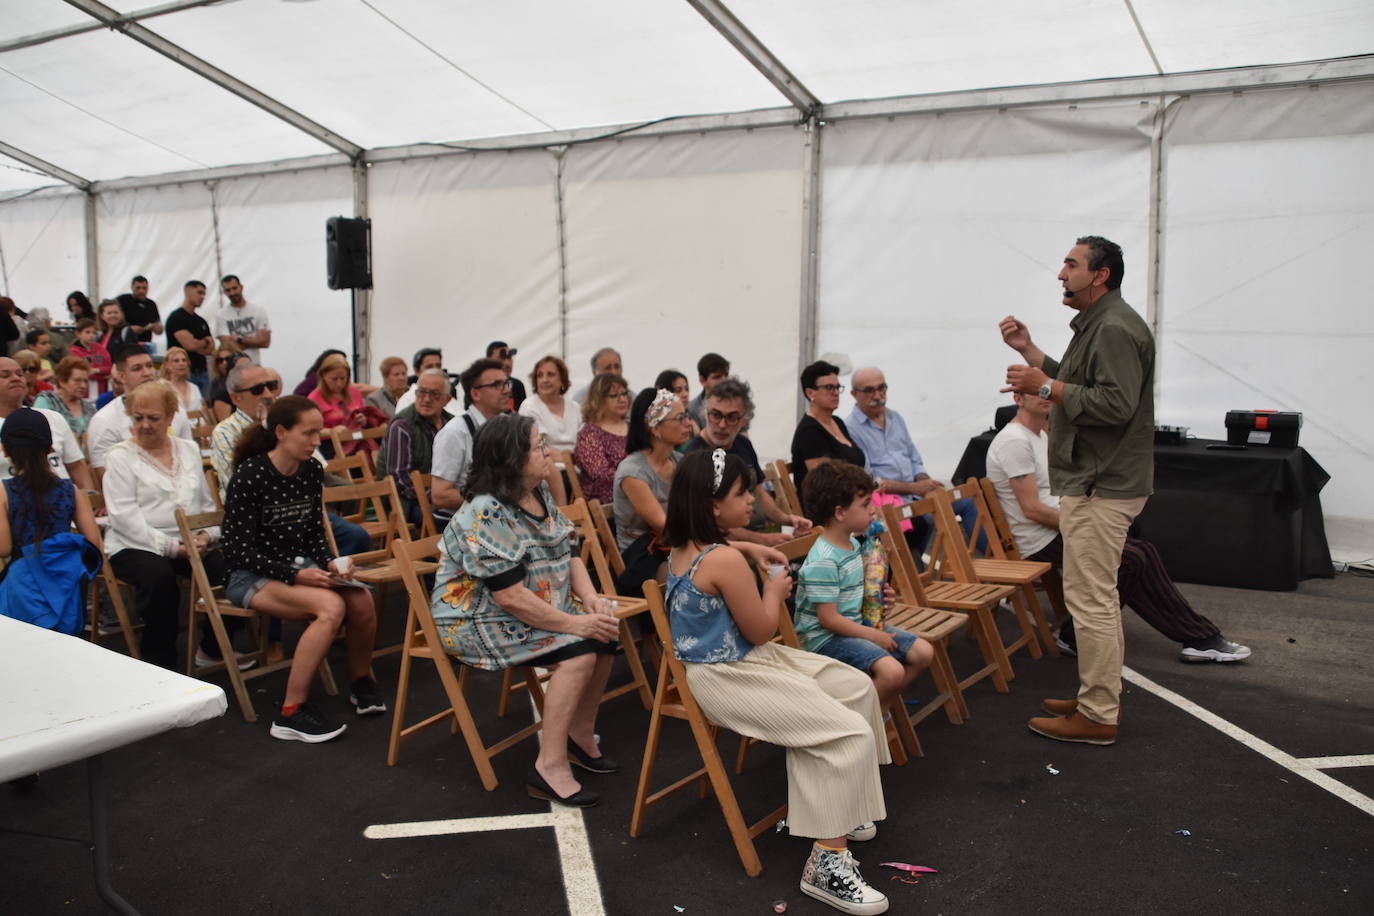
(536, 787)
(578, 758)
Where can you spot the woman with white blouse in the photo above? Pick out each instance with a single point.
(558, 417)
(147, 478)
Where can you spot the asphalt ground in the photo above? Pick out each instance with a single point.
(221, 818)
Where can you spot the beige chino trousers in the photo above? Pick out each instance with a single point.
(1094, 530)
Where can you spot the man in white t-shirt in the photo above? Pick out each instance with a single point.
(65, 458)
(110, 425)
(1019, 468)
(241, 322)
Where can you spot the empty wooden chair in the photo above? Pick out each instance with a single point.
(114, 586)
(570, 471)
(422, 483)
(1051, 583)
(785, 491)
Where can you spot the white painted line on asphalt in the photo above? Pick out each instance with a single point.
(459, 825)
(1258, 745)
(1333, 763)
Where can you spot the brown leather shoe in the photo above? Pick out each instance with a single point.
(1076, 728)
(1059, 707)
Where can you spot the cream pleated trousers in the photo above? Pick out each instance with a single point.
(824, 712)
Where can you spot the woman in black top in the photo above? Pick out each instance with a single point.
(280, 562)
(821, 434)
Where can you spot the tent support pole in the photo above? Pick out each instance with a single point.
(92, 248)
(562, 226)
(811, 238)
(362, 298)
(757, 53)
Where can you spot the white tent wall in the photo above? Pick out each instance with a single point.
(680, 245)
(1268, 223)
(465, 251)
(271, 234)
(933, 228)
(43, 247)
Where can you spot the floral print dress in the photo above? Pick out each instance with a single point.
(491, 545)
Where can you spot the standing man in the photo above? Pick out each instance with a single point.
(191, 332)
(140, 312)
(241, 322)
(1101, 467)
(711, 368)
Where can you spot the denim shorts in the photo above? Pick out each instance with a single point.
(243, 584)
(861, 653)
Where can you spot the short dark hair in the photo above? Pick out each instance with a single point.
(667, 377)
(499, 454)
(31, 338)
(814, 371)
(472, 373)
(732, 388)
(1105, 253)
(421, 353)
(84, 323)
(638, 438)
(833, 485)
(564, 380)
(227, 277)
(123, 353)
(139, 279)
(712, 364)
(192, 283)
(690, 513)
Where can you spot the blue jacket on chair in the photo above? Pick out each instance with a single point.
(45, 588)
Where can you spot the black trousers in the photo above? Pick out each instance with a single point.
(158, 598)
(1145, 586)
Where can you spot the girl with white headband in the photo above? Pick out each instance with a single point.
(658, 425)
(824, 712)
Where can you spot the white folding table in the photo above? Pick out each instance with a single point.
(64, 699)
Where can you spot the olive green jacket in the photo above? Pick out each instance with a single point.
(1102, 429)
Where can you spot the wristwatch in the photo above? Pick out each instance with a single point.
(1047, 389)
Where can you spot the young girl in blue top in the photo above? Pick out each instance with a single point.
(824, 712)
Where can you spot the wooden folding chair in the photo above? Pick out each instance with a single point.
(212, 481)
(601, 518)
(369, 500)
(209, 600)
(423, 641)
(782, 478)
(352, 467)
(114, 586)
(363, 437)
(673, 699)
(421, 484)
(920, 589)
(1051, 583)
(995, 566)
(770, 474)
(569, 469)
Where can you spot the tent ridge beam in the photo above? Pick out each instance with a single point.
(328, 160)
(757, 53)
(203, 68)
(44, 166)
(69, 31)
(1271, 76)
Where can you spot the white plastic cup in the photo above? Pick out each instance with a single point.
(788, 530)
(774, 570)
(340, 564)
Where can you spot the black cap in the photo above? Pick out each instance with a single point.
(500, 345)
(27, 427)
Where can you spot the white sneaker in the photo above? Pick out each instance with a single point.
(863, 833)
(1218, 650)
(245, 661)
(832, 876)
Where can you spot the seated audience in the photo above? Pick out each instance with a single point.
(279, 562)
(821, 434)
(87, 347)
(395, 383)
(176, 371)
(1019, 468)
(39, 342)
(557, 416)
(674, 381)
(505, 355)
(252, 389)
(111, 423)
(227, 356)
(601, 440)
(894, 460)
(68, 397)
(510, 591)
(67, 459)
(605, 361)
(824, 712)
(148, 477)
(428, 358)
(409, 444)
(658, 425)
(711, 368)
(830, 586)
(114, 333)
(486, 386)
(32, 368)
(729, 408)
(312, 375)
(341, 403)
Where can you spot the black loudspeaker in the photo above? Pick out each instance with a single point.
(348, 252)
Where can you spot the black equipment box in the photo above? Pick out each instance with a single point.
(1263, 427)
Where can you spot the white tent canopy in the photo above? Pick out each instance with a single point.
(878, 178)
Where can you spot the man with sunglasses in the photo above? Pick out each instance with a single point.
(727, 406)
(252, 389)
(892, 457)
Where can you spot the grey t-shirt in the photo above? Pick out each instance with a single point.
(628, 524)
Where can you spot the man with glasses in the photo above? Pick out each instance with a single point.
(110, 425)
(498, 350)
(426, 358)
(892, 457)
(728, 406)
(409, 444)
(487, 387)
(252, 389)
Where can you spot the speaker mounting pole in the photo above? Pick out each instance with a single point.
(362, 298)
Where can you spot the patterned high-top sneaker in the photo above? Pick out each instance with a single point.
(832, 876)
